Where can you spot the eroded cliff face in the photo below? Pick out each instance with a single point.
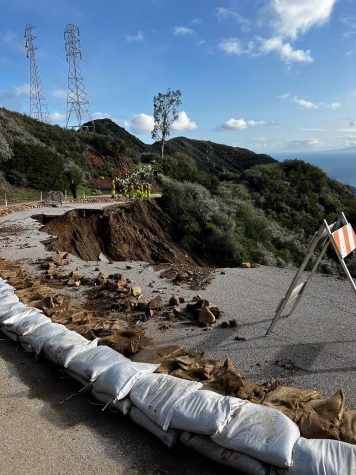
(137, 231)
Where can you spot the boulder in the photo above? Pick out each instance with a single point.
(174, 301)
(215, 311)
(156, 303)
(181, 276)
(103, 258)
(102, 278)
(60, 258)
(205, 317)
(149, 313)
(246, 265)
(136, 291)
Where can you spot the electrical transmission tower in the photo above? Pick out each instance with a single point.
(77, 102)
(38, 106)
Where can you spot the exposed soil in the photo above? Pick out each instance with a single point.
(137, 231)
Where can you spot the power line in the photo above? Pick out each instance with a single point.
(38, 106)
(77, 101)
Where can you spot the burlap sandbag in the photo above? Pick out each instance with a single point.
(291, 401)
(348, 427)
(322, 418)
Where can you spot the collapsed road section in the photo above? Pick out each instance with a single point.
(133, 231)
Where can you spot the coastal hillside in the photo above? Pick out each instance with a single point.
(228, 205)
(40, 155)
(213, 157)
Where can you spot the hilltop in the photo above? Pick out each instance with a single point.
(213, 157)
(40, 155)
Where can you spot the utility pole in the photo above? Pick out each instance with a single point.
(38, 106)
(77, 101)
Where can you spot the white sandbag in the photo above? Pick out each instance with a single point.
(93, 362)
(62, 348)
(16, 313)
(240, 462)
(27, 324)
(168, 437)
(4, 283)
(12, 298)
(322, 457)
(118, 380)
(35, 341)
(6, 291)
(157, 395)
(124, 405)
(202, 412)
(9, 334)
(11, 309)
(261, 432)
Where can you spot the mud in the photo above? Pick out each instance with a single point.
(133, 231)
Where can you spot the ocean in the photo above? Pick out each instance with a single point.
(339, 165)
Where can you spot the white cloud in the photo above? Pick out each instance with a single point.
(291, 18)
(312, 130)
(225, 13)
(346, 131)
(333, 106)
(57, 117)
(22, 90)
(183, 122)
(182, 31)
(60, 93)
(196, 21)
(230, 46)
(350, 21)
(306, 104)
(303, 143)
(9, 39)
(242, 124)
(348, 34)
(285, 50)
(101, 115)
(135, 38)
(140, 124)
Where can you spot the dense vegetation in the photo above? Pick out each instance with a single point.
(267, 215)
(229, 204)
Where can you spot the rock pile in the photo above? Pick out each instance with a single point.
(205, 312)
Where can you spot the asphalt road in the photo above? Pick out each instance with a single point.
(39, 436)
(315, 348)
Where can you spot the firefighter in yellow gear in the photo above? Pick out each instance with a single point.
(113, 189)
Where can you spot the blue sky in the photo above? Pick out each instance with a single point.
(269, 75)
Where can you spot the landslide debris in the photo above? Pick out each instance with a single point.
(137, 231)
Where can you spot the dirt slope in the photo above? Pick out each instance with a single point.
(139, 231)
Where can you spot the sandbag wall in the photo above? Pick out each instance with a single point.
(250, 438)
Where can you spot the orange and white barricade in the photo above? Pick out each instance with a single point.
(343, 240)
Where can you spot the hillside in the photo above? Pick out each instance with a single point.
(42, 156)
(228, 204)
(113, 131)
(213, 157)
